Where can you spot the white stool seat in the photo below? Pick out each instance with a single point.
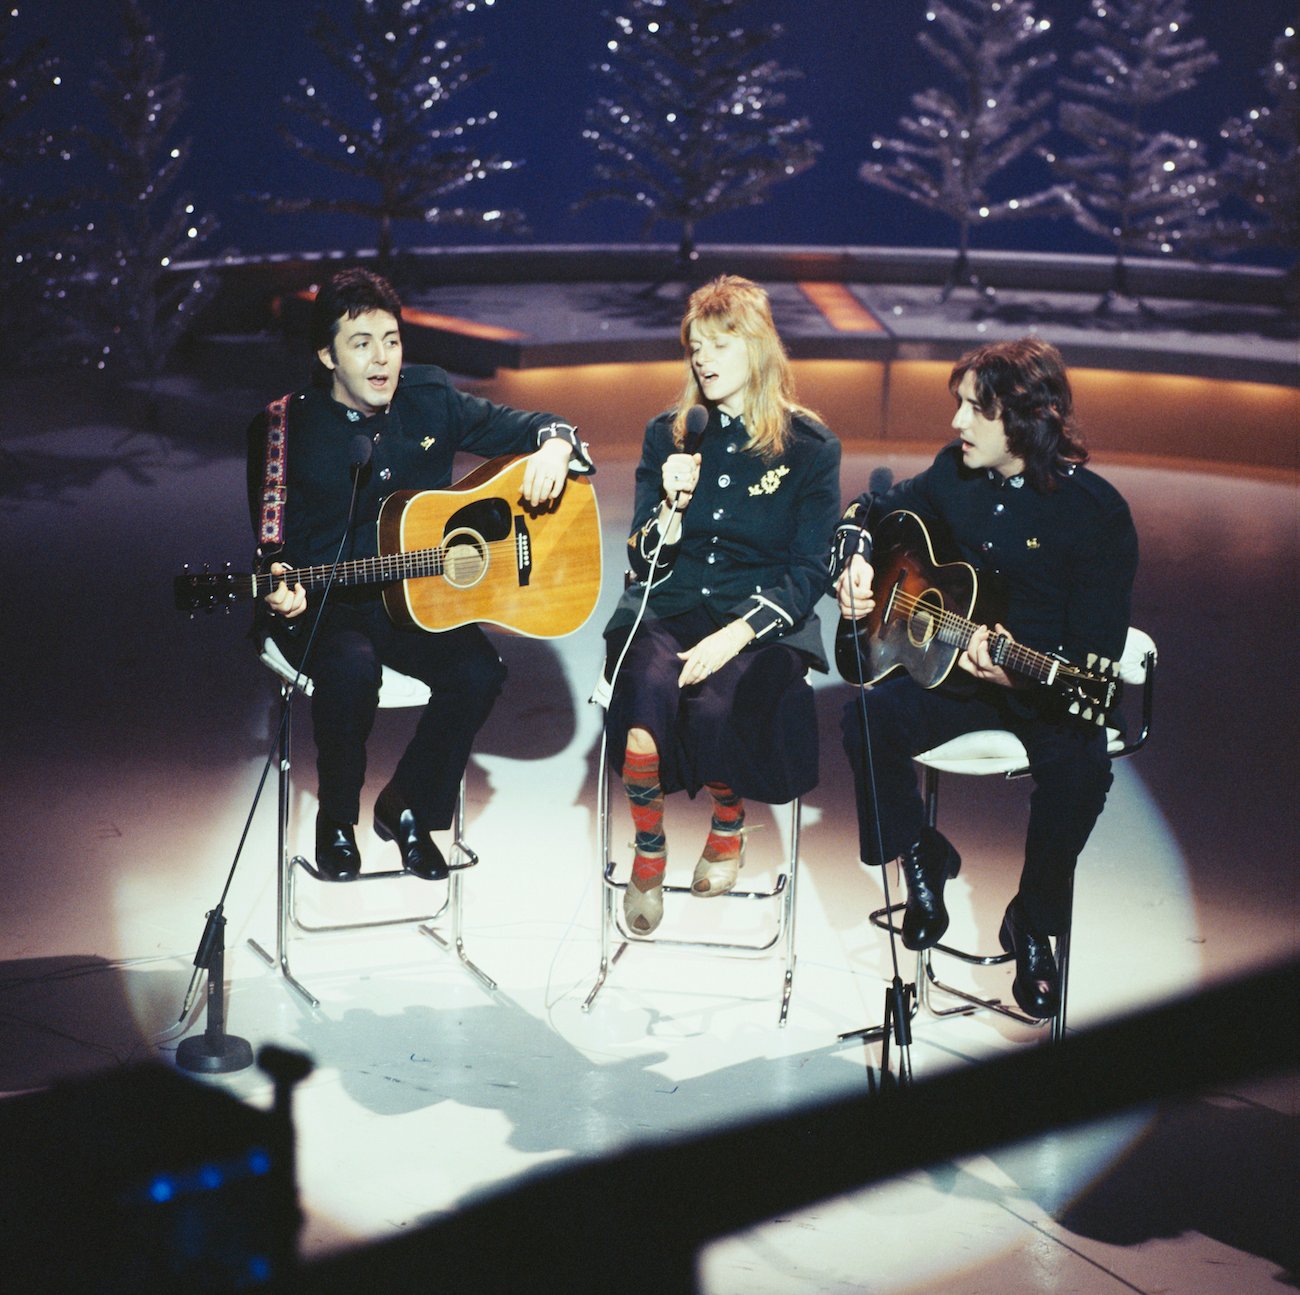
(991, 750)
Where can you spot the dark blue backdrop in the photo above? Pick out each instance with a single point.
(860, 59)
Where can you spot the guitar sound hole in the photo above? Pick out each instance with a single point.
(921, 624)
(465, 559)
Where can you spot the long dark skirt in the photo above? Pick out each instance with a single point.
(752, 725)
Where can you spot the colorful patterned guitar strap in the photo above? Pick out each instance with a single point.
(270, 531)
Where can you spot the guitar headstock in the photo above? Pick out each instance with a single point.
(206, 590)
(1093, 692)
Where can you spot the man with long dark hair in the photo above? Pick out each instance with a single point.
(1010, 496)
(303, 460)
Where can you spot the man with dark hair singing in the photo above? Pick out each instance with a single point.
(369, 421)
(1012, 498)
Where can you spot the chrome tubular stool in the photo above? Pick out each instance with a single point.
(395, 690)
(781, 898)
(995, 751)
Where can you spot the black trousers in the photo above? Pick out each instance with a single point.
(1067, 762)
(356, 641)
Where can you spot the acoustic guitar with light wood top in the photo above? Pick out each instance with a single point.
(475, 552)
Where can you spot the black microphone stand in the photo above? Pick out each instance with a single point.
(896, 1021)
(900, 998)
(214, 1051)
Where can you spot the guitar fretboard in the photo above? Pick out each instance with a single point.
(460, 561)
(956, 631)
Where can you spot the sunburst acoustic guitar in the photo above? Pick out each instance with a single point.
(921, 624)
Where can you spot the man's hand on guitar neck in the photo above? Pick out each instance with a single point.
(977, 659)
(285, 600)
(853, 589)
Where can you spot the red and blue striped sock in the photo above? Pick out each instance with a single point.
(724, 829)
(646, 799)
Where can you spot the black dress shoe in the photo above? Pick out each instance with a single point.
(337, 856)
(926, 867)
(394, 821)
(1037, 986)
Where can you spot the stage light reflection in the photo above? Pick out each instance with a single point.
(1150, 414)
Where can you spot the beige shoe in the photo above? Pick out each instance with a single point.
(644, 909)
(721, 862)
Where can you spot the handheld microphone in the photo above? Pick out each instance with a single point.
(697, 419)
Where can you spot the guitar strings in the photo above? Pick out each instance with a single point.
(410, 564)
(1018, 655)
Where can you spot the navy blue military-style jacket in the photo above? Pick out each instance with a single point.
(413, 443)
(753, 543)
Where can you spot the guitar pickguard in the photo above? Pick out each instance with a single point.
(498, 560)
(489, 517)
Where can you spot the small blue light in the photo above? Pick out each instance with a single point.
(259, 1268)
(161, 1189)
(259, 1162)
(210, 1176)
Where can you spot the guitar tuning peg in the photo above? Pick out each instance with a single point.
(1074, 708)
(1092, 660)
(1104, 662)
(1087, 714)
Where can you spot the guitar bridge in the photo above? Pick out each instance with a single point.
(523, 550)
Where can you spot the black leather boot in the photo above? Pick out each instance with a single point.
(1037, 986)
(926, 867)
(337, 856)
(395, 821)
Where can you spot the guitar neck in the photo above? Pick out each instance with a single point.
(956, 631)
(361, 571)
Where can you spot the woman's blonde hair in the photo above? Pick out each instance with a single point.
(730, 304)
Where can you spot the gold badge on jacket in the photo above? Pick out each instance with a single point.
(769, 482)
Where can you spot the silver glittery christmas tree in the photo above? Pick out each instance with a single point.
(129, 297)
(36, 192)
(390, 132)
(962, 136)
(692, 124)
(1137, 186)
(1259, 178)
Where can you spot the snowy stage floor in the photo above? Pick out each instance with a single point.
(133, 740)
